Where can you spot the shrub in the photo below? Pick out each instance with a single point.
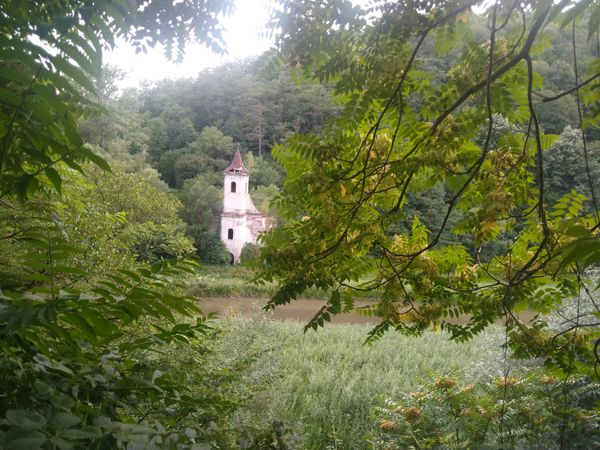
(250, 254)
(532, 410)
(213, 251)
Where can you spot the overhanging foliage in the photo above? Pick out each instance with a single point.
(403, 131)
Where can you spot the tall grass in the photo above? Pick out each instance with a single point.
(324, 385)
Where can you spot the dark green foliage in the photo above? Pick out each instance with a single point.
(76, 368)
(213, 251)
(250, 254)
(202, 205)
(44, 81)
(264, 170)
(566, 168)
(255, 111)
(208, 154)
(80, 320)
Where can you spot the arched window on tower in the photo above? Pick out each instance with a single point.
(233, 186)
(230, 233)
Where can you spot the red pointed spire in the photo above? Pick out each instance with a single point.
(237, 165)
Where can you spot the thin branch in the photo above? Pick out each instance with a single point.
(581, 130)
(570, 91)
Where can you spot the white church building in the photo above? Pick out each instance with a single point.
(241, 222)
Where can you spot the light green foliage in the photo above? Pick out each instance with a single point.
(324, 385)
(113, 218)
(522, 411)
(405, 131)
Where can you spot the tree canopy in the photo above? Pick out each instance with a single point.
(51, 52)
(473, 135)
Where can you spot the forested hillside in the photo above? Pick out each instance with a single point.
(187, 130)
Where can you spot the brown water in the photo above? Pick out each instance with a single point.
(301, 310)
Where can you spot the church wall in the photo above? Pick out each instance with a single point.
(257, 224)
(238, 200)
(241, 234)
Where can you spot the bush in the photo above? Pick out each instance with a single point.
(213, 251)
(533, 410)
(250, 254)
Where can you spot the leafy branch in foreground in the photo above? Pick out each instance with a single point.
(77, 349)
(76, 365)
(50, 53)
(447, 413)
(403, 131)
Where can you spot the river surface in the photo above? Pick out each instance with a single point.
(302, 310)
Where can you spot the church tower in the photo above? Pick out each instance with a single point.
(241, 222)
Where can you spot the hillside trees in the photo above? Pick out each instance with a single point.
(203, 203)
(566, 169)
(257, 110)
(403, 129)
(208, 153)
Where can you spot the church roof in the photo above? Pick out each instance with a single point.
(237, 165)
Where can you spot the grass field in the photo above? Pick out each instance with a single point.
(324, 385)
(235, 281)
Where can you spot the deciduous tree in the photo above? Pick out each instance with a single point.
(403, 131)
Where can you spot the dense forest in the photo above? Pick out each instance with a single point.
(432, 167)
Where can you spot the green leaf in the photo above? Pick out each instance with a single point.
(64, 420)
(24, 418)
(28, 443)
(88, 152)
(10, 73)
(8, 96)
(61, 444)
(75, 73)
(75, 54)
(54, 178)
(81, 325)
(26, 185)
(101, 326)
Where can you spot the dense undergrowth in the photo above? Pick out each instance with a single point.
(326, 390)
(323, 386)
